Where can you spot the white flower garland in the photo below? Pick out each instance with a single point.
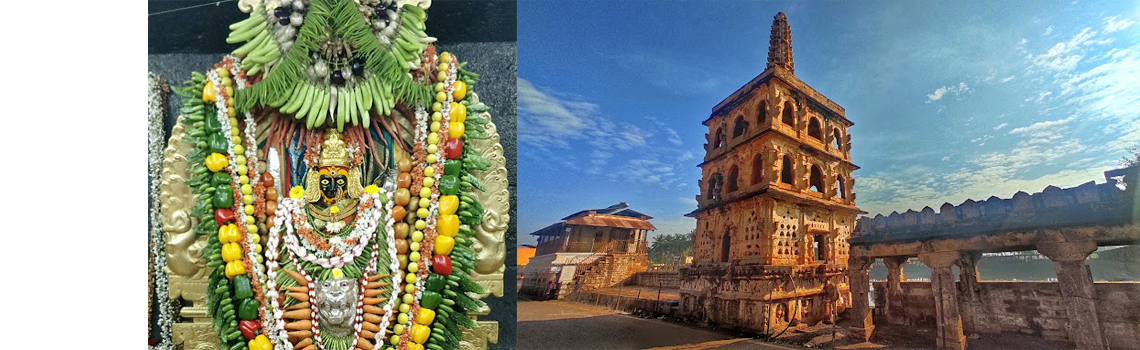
(393, 268)
(275, 330)
(366, 224)
(157, 136)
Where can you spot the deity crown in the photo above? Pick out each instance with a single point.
(333, 151)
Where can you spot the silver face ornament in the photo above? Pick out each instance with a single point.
(336, 304)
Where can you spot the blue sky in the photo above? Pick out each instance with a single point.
(951, 100)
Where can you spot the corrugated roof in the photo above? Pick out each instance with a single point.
(616, 209)
(611, 221)
(553, 229)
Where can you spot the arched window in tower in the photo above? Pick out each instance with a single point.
(725, 245)
(835, 139)
(739, 126)
(816, 181)
(732, 179)
(786, 171)
(757, 169)
(713, 186)
(717, 142)
(840, 187)
(788, 116)
(814, 129)
(762, 112)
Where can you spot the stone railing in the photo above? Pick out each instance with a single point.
(1090, 203)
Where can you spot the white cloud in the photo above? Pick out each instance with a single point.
(1007, 79)
(1041, 128)
(942, 91)
(545, 120)
(1112, 25)
(646, 171)
(1002, 125)
(997, 173)
(946, 158)
(1048, 30)
(689, 201)
(688, 155)
(1064, 55)
(673, 137)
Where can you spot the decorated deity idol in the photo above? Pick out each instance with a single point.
(336, 169)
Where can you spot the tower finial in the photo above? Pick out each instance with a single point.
(780, 44)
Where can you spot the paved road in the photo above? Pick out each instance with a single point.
(560, 325)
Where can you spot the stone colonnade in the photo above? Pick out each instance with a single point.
(958, 302)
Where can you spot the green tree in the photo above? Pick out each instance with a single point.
(665, 248)
(1132, 160)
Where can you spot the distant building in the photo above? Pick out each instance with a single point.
(593, 248)
(776, 206)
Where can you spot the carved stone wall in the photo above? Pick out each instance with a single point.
(1034, 308)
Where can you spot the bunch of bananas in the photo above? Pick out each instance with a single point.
(261, 47)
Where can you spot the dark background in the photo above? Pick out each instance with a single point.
(203, 29)
(481, 33)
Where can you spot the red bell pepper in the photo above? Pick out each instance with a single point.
(223, 215)
(441, 264)
(453, 148)
(249, 328)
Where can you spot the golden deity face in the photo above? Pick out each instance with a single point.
(333, 183)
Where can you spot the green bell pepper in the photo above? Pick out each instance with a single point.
(223, 197)
(448, 185)
(242, 287)
(435, 282)
(218, 143)
(213, 126)
(247, 310)
(452, 166)
(430, 299)
(221, 178)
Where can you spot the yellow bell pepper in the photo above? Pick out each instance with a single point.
(458, 112)
(455, 130)
(216, 162)
(228, 234)
(420, 333)
(260, 343)
(208, 93)
(425, 316)
(234, 268)
(448, 225)
(448, 204)
(231, 252)
(460, 90)
(415, 346)
(443, 244)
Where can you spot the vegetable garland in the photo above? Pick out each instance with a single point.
(312, 67)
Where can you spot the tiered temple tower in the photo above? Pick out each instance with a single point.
(776, 206)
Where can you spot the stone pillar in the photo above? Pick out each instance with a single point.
(894, 297)
(860, 321)
(945, 299)
(970, 292)
(1075, 280)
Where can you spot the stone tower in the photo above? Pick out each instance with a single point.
(776, 202)
(780, 44)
